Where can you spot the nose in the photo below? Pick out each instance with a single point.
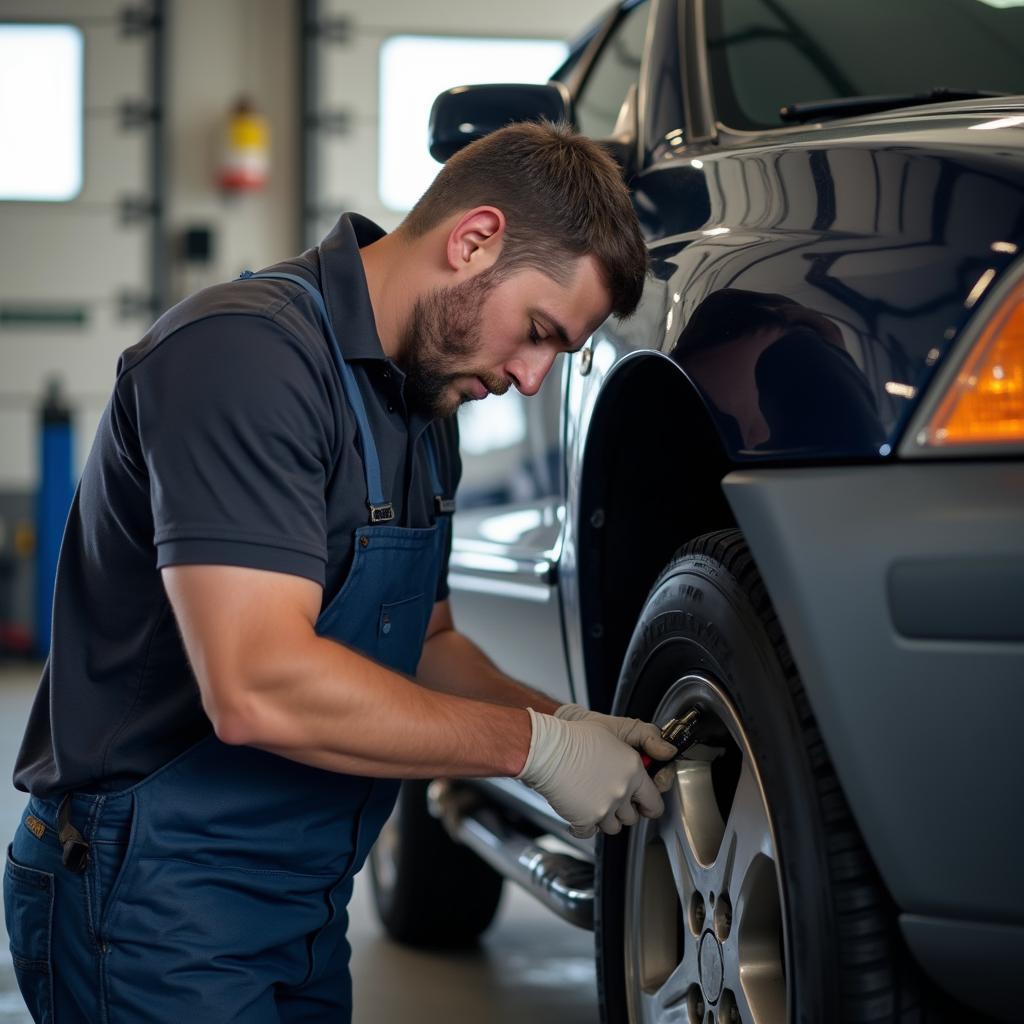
(528, 371)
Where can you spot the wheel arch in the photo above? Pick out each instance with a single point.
(650, 480)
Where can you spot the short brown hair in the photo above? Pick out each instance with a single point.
(562, 195)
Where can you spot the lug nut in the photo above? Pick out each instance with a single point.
(697, 913)
(723, 918)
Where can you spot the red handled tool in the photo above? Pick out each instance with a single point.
(681, 733)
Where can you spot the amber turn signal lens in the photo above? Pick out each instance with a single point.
(985, 402)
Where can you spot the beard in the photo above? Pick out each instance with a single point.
(441, 338)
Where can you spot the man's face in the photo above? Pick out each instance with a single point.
(489, 334)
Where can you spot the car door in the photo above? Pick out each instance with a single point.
(507, 533)
(510, 529)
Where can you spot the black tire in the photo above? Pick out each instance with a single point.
(429, 891)
(709, 615)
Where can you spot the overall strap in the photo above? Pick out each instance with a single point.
(381, 510)
(442, 506)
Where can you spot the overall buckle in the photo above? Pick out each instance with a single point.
(443, 506)
(382, 513)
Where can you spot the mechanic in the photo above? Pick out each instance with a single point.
(254, 567)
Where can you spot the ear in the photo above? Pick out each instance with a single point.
(474, 243)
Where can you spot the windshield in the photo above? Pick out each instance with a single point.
(766, 54)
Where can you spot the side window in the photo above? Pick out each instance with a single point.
(617, 68)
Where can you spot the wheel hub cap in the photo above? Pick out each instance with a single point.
(712, 968)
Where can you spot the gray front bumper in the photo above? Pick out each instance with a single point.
(901, 591)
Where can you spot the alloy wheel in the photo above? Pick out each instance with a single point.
(704, 915)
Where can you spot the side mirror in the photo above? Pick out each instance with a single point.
(469, 112)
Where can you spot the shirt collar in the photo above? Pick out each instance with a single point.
(343, 283)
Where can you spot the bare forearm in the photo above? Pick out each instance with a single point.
(330, 707)
(452, 663)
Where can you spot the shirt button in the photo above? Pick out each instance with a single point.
(391, 408)
(387, 375)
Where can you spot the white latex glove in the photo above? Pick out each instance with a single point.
(589, 777)
(643, 736)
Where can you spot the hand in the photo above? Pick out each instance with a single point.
(643, 736)
(589, 776)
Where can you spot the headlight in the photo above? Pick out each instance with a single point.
(976, 403)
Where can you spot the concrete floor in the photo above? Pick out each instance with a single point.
(529, 966)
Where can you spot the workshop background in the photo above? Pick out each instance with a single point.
(148, 150)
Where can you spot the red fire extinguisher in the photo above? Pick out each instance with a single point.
(246, 157)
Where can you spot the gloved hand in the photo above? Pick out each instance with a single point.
(643, 736)
(591, 778)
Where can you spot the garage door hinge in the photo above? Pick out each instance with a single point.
(138, 114)
(137, 208)
(135, 305)
(137, 21)
(334, 122)
(331, 30)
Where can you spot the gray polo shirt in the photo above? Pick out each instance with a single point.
(227, 440)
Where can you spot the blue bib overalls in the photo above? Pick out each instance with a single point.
(215, 889)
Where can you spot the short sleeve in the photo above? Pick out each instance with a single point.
(236, 427)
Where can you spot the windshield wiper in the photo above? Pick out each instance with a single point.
(850, 106)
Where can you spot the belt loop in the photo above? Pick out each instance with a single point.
(75, 850)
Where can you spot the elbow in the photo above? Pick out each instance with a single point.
(234, 729)
(236, 720)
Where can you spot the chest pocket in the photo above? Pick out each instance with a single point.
(403, 624)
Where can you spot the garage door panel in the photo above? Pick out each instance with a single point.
(51, 263)
(403, 18)
(345, 74)
(108, 145)
(83, 363)
(59, 10)
(110, 82)
(19, 427)
(347, 165)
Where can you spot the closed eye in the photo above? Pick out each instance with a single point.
(535, 335)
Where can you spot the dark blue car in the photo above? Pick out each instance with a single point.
(788, 493)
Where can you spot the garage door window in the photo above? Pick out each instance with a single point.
(414, 69)
(40, 112)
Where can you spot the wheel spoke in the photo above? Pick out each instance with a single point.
(667, 1004)
(754, 968)
(758, 989)
(682, 862)
(691, 827)
(747, 835)
(745, 1010)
